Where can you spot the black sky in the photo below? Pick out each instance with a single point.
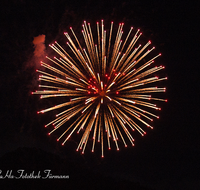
(167, 158)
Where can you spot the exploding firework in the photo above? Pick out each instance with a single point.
(108, 87)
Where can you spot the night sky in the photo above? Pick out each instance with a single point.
(167, 158)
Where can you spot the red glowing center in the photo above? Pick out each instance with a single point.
(102, 93)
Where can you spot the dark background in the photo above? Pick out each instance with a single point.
(167, 158)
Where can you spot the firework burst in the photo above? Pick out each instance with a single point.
(107, 86)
